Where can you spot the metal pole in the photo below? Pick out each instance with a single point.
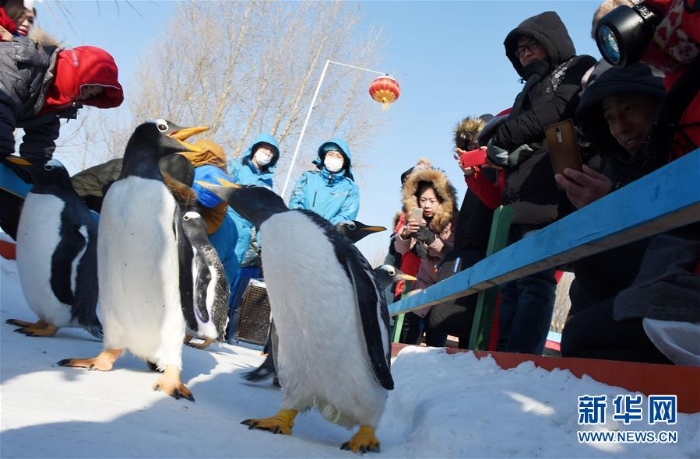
(303, 128)
(308, 115)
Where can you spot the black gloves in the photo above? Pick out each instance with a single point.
(421, 250)
(424, 234)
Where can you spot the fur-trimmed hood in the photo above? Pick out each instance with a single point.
(467, 131)
(447, 210)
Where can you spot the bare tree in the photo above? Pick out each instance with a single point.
(252, 68)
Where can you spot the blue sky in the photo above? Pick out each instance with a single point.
(448, 58)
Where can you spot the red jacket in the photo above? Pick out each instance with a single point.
(676, 43)
(409, 261)
(488, 192)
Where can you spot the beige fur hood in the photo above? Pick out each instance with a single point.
(448, 207)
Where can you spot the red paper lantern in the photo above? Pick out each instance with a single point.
(384, 90)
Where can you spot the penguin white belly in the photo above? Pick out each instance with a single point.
(138, 272)
(37, 238)
(322, 358)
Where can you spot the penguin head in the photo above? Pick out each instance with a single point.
(254, 203)
(179, 132)
(355, 230)
(388, 274)
(150, 142)
(193, 221)
(43, 171)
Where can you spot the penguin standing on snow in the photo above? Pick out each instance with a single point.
(331, 318)
(385, 274)
(204, 286)
(355, 231)
(207, 318)
(138, 263)
(56, 253)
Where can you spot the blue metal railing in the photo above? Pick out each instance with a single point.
(665, 199)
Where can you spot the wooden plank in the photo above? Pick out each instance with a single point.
(665, 199)
(486, 300)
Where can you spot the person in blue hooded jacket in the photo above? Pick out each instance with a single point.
(330, 191)
(255, 167)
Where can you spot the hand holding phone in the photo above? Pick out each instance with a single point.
(563, 147)
(416, 214)
(473, 158)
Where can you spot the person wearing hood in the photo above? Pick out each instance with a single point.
(432, 237)
(638, 302)
(543, 54)
(255, 167)
(40, 84)
(471, 231)
(616, 112)
(330, 190)
(43, 83)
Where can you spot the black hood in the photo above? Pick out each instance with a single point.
(634, 79)
(549, 30)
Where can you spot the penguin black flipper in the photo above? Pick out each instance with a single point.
(87, 291)
(369, 300)
(374, 315)
(185, 266)
(71, 243)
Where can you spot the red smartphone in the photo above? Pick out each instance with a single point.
(474, 158)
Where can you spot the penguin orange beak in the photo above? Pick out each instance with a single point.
(374, 229)
(19, 161)
(188, 146)
(185, 133)
(403, 276)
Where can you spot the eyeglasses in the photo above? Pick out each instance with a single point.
(529, 46)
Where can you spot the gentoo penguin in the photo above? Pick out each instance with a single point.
(355, 231)
(56, 253)
(138, 263)
(206, 309)
(385, 274)
(207, 318)
(331, 318)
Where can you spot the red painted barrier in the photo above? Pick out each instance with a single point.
(647, 378)
(7, 249)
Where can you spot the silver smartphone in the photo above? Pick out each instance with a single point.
(417, 214)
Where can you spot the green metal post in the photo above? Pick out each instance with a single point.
(486, 300)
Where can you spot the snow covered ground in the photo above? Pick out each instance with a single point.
(443, 406)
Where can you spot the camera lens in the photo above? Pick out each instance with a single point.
(607, 43)
(623, 34)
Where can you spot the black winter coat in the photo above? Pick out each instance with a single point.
(550, 95)
(25, 76)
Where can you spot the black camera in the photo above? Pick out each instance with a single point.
(623, 34)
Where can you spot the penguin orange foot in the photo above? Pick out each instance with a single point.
(103, 362)
(363, 441)
(171, 384)
(203, 345)
(47, 331)
(282, 422)
(41, 323)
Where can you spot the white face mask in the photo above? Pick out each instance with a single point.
(263, 156)
(333, 164)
